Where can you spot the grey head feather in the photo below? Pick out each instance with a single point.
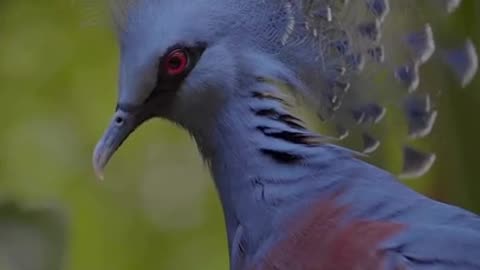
(370, 144)
(419, 115)
(415, 162)
(119, 10)
(421, 44)
(463, 61)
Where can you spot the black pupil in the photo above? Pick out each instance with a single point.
(118, 120)
(175, 62)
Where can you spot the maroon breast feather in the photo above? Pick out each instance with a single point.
(324, 238)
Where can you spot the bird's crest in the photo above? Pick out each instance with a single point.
(367, 58)
(371, 54)
(111, 12)
(119, 11)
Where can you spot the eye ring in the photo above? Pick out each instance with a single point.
(176, 62)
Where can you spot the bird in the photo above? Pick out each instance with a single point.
(227, 70)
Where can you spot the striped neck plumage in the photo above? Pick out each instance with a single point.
(264, 161)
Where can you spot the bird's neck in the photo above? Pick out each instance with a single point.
(265, 163)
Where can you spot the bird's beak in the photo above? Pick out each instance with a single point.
(121, 126)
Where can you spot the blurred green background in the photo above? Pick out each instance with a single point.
(157, 208)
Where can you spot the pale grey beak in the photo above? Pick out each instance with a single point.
(121, 126)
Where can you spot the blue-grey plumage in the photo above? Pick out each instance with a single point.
(463, 61)
(218, 68)
(420, 115)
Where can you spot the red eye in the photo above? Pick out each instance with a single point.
(176, 62)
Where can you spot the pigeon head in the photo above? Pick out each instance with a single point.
(177, 63)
